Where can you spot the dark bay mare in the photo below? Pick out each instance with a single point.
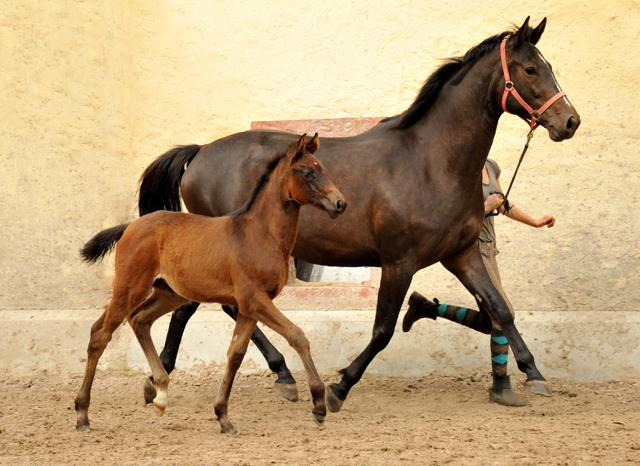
(414, 182)
(164, 259)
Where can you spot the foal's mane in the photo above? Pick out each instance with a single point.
(262, 182)
(432, 87)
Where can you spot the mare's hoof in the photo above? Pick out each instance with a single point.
(333, 402)
(83, 428)
(288, 391)
(539, 388)
(149, 391)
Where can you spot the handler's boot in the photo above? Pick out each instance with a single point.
(419, 308)
(502, 394)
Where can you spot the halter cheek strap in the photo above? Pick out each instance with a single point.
(509, 88)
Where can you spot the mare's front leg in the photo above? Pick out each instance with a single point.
(241, 337)
(394, 284)
(470, 270)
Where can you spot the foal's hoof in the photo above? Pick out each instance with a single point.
(159, 409)
(539, 388)
(230, 431)
(319, 419)
(149, 391)
(333, 402)
(288, 391)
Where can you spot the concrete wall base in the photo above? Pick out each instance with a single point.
(585, 346)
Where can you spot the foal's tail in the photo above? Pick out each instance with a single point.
(102, 243)
(160, 182)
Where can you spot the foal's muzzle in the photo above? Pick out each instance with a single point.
(334, 205)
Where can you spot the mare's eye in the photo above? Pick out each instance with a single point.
(530, 70)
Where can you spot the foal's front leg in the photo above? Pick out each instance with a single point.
(261, 308)
(285, 385)
(238, 348)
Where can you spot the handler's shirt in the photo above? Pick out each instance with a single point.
(488, 233)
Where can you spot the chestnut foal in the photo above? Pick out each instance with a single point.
(165, 259)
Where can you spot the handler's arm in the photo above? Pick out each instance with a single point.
(525, 218)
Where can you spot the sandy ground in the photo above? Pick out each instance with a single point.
(385, 421)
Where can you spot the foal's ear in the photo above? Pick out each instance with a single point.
(537, 32)
(521, 35)
(314, 144)
(299, 149)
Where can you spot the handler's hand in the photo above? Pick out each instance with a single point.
(547, 220)
(492, 202)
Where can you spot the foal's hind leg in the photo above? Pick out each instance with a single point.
(169, 353)
(101, 333)
(238, 348)
(161, 301)
(261, 308)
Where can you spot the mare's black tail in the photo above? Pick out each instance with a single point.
(100, 245)
(160, 182)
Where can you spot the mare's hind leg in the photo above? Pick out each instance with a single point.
(238, 348)
(394, 284)
(161, 301)
(470, 270)
(259, 307)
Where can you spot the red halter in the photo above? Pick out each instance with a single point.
(509, 87)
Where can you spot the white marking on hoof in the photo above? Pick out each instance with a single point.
(160, 402)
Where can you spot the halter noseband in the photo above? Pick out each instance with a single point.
(510, 88)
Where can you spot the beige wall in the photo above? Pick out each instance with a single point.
(92, 92)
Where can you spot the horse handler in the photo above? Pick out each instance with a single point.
(420, 307)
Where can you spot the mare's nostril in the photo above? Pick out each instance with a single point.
(571, 123)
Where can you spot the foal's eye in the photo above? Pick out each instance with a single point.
(530, 70)
(308, 175)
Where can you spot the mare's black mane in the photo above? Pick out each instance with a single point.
(432, 87)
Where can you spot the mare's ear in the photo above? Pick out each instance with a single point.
(537, 32)
(521, 35)
(314, 144)
(299, 149)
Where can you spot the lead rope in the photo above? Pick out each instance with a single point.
(505, 203)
